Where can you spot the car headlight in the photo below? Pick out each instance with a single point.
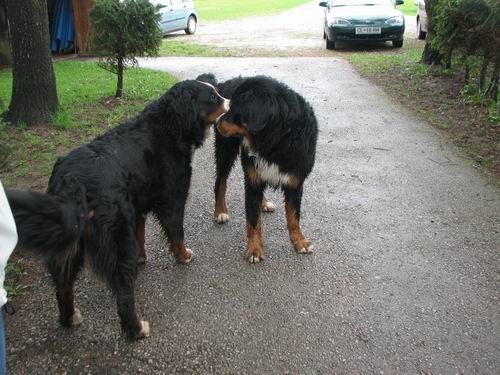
(337, 21)
(395, 21)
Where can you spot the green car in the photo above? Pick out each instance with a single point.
(363, 20)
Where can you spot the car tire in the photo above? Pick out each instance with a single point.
(420, 34)
(191, 25)
(330, 44)
(397, 43)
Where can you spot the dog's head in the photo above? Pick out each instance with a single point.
(208, 78)
(189, 108)
(254, 105)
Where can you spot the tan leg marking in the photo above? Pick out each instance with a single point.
(293, 182)
(221, 214)
(253, 176)
(255, 247)
(299, 242)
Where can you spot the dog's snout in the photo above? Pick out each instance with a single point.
(227, 104)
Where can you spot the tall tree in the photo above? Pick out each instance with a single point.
(34, 94)
(430, 55)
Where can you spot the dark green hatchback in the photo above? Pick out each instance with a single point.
(363, 20)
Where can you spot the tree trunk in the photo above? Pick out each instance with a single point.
(430, 56)
(482, 74)
(34, 94)
(119, 85)
(466, 72)
(492, 90)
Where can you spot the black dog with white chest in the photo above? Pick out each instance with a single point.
(99, 194)
(277, 131)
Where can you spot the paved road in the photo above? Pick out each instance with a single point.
(404, 278)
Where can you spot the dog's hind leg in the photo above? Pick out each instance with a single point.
(140, 235)
(64, 268)
(226, 151)
(122, 281)
(293, 199)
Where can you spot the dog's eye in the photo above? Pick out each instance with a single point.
(213, 97)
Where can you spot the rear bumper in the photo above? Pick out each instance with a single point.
(336, 33)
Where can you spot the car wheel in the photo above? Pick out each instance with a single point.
(397, 43)
(330, 44)
(420, 34)
(191, 25)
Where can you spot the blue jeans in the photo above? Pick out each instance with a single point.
(2, 346)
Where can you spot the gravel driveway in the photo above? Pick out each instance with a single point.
(297, 31)
(404, 278)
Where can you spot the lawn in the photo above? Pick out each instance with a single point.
(218, 10)
(87, 109)
(174, 47)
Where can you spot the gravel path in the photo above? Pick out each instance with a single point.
(404, 278)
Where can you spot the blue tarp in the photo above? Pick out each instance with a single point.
(63, 28)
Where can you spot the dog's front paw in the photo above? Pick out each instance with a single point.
(186, 256)
(144, 330)
(255, 253)
(268, 206)
(221, 218)
(76, 318)
(303, 247)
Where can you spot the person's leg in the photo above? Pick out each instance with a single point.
(2, 346)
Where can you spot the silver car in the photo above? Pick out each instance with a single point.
(177, 15)
(421, 19)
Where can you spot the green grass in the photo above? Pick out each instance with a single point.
(378, 61)
(408, 8)
(218, 10)
(13, 272)
(173, 47)
(87, 109)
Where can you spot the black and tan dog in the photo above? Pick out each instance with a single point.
(278, 131)
(100, 193)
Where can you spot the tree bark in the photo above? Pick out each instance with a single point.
(492, 90)
(34, 94)
(482, 74)
(119, 72)
(430, 56)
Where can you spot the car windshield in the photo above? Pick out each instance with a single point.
(342, 3)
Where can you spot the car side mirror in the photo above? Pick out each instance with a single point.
(323, 4)
(400, 2)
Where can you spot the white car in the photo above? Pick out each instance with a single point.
(177, 15)
(421, 19)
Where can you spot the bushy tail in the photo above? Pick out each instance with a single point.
(49, 223)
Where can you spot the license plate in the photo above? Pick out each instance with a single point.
(367, 30)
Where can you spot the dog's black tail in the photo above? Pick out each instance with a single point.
(49, 223)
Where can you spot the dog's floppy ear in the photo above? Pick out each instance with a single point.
(208, 78)
(258, 112)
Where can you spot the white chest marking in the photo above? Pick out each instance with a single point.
(268, 172)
